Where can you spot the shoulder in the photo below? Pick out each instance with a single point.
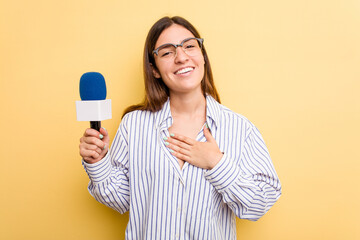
(229, 114)
(234, 122)
(137, 118)
(222, 114)
(137, 115)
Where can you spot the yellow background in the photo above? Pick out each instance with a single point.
(291, 67)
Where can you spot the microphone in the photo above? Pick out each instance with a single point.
(94, 106)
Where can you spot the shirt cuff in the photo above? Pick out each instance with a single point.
(223, 174)
(98, 171)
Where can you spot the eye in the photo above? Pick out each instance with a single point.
(164, 54)
(166, 51)
(190, 44)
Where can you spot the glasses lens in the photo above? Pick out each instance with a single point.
(191, 47)
(167, 51)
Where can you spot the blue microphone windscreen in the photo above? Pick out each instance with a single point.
(92, 86)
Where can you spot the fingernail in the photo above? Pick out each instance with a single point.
(103, 128)
(104, 147)
(165, 138)
(166, 143)
(171, 150)
(101, 136)
(206, 125)
(172, 135)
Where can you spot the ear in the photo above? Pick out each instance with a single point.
(155, 72)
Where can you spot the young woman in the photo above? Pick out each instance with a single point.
(181, 163)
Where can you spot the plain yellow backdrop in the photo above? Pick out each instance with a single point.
(291, 66)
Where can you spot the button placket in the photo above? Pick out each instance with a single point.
(163, 132)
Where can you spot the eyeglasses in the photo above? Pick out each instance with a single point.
(191, 46)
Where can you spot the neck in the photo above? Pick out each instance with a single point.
(187, 104)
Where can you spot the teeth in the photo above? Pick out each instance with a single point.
(184, 70)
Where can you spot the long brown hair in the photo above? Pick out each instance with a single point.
(156, 92)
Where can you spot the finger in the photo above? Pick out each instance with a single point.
(181, 156)
(183, 139)
(207, 134)
(104, 132)
(105, 146)
(85, 153)
(94, 141)
(92, 147)
(178, 143)
(89, 132)
(90, 160)
(93, 133)
(178, 149)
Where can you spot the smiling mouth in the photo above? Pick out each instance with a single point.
(184, 70)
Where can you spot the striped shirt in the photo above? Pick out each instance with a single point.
(140, 175)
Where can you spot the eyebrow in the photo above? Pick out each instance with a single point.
(173, 43)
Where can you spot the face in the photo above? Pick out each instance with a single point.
(182, 73)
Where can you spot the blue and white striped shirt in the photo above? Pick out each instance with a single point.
(140, 175)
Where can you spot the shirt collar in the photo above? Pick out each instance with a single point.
(163, 117)
(213, 110)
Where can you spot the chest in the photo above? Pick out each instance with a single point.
(189, 127)
(150, 156)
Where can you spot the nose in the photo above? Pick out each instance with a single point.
(180, 55)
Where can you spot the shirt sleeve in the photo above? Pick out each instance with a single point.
(109, 178)
(248, 183)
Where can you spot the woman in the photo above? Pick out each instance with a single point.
(181, 163)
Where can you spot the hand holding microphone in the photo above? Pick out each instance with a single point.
(94, 145)
(93, 107)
